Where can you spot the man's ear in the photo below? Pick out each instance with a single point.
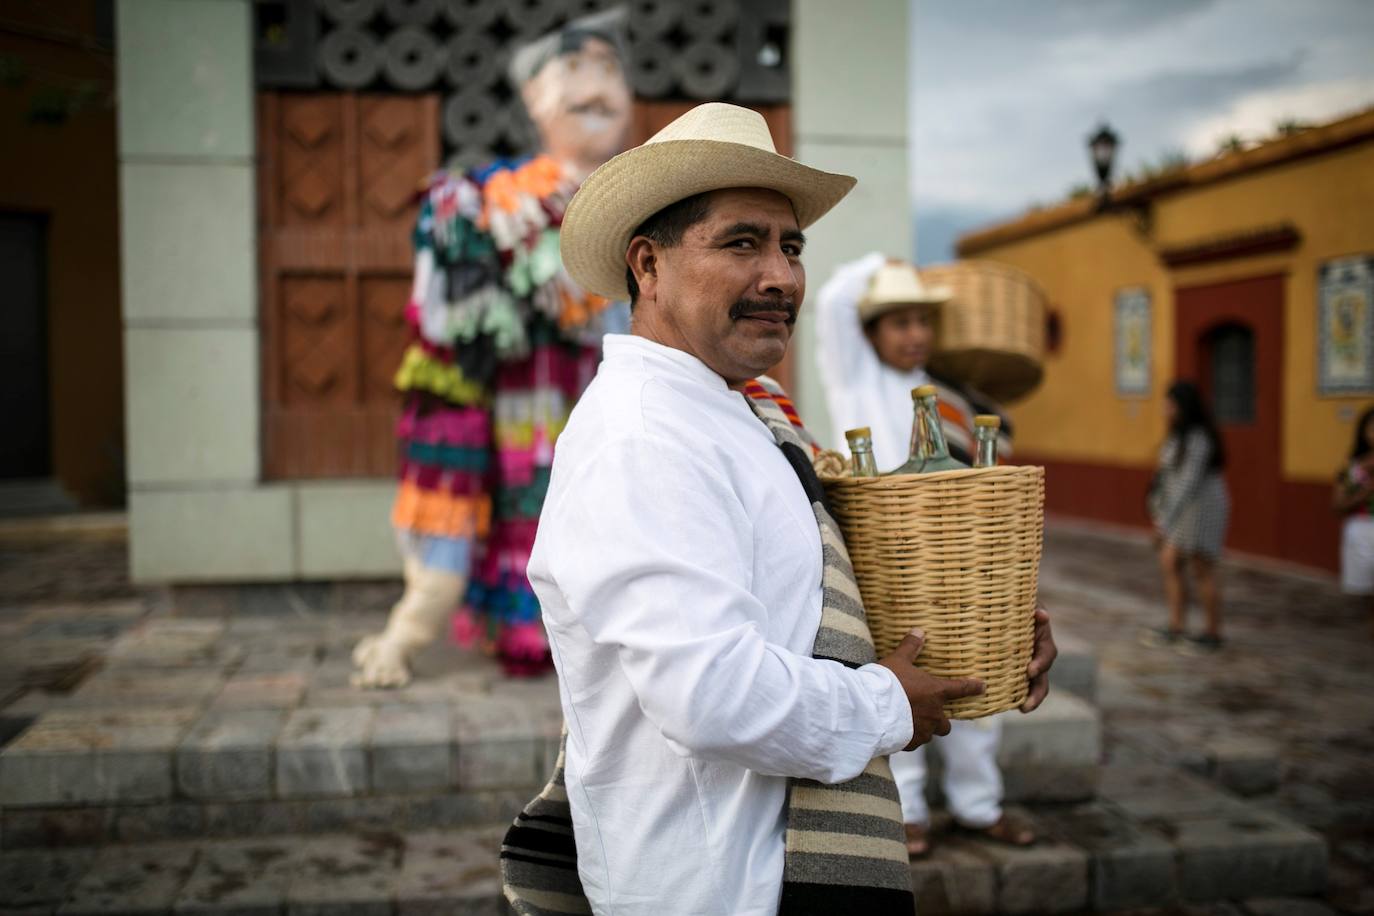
(642, 258)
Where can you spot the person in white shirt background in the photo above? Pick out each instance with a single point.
(877, 329)
(678, 562)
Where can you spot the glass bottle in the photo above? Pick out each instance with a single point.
(861, 463)
(985, 429)
(929, 451)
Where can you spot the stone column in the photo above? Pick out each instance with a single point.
(850, 80)
(186, 166)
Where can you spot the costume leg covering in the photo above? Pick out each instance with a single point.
(416, 621)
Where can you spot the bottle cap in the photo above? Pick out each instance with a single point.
(863, 432)
(923, 391)
(987, 419)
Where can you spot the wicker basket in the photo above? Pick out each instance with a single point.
(956, 553)
(992, 331)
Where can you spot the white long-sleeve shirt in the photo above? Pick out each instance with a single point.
(678, 566)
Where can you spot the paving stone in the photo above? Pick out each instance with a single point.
(1048, 877)
(228, 754)
(450, 871)
(411, 748)
(151, 823)
(132, 879)
(170, 642)
(240, 877)
(955, 878)
(329, 815)
(127, 688)
(502, 743)
(1227, 858)
(1287, 906)
(75, 756)
(33, 828)
(253, 818)
(41, 878)
(1153, 792)
(1130, 866)
(1245, 765)
(1075, 668)
(354, 875)
(262, 690)
(324, 752)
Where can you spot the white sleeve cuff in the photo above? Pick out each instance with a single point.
(893, 707)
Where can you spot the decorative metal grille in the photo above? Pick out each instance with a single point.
(727, 50)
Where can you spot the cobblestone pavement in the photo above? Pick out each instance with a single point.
(1289, 701)
(1296, 676)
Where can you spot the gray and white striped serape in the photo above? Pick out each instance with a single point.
(845, 847)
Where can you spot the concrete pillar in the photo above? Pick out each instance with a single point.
(186, 166)
(849, 103)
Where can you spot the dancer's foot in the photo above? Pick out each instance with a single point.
(917, 841)
(380, 663)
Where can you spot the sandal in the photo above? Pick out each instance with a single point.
(917, 841)
(1206, 644)
(1009, 830)
(1159, 637)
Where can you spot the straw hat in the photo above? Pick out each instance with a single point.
(896, 285)
(711, 147)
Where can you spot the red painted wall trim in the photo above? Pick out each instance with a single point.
(1310, 532)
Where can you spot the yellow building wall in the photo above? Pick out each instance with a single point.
(1076, 414)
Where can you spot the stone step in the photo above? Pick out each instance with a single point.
(1075, 668)
(1050, 755)
(430, 872)
(141, 754)
(1100, 856)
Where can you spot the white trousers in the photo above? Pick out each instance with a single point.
(972, 782)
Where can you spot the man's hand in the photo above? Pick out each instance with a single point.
(926, 693)
(1043, 654)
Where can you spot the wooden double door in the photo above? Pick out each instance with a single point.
(339, 176)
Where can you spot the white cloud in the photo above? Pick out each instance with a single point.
(1253, 116)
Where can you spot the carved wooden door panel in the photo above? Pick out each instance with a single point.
(337, 182)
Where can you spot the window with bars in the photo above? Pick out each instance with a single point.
(1233, 373)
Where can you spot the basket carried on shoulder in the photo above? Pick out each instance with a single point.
(992, 331)
(956, 553)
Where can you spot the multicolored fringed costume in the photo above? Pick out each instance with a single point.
(505, 343)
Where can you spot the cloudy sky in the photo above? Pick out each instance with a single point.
(1006, 91)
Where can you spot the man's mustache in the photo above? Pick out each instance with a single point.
(746, 307)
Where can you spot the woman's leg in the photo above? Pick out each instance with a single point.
(1170, 563)
(1205, 575)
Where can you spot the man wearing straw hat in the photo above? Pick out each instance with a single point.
(726, 723)
(877, 322)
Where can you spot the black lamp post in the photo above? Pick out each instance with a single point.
(1103, 146)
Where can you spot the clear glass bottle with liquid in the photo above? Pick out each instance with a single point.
(861, 462)
(929, 450)
(986, 428)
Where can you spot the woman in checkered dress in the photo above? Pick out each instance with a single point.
(1189, 507)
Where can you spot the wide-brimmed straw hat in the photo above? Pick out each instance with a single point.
(712, 147)
(897, 285)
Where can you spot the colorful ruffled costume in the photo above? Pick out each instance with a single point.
(505, 343)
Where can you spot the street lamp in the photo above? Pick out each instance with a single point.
(1103, 146)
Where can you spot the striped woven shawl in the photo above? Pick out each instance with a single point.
(845, 848)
